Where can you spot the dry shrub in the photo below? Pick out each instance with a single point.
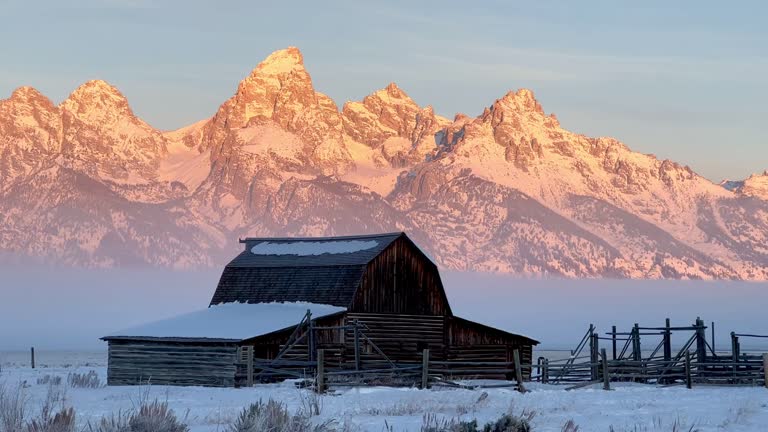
(150, 417)
(62, 421)
(54, 417)
(505, 423)
(570, 426)
(114, 423)
(49, 379)
(13, 408)
(273, 416)
(84, 380)
(156, 417)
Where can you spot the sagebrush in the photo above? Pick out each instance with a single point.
(505, 423)
(274, 416)
(152, 416)
(84, 380)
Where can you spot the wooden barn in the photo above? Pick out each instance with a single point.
(366, 301)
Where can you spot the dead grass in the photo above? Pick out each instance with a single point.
(273, 416)
(89, 380)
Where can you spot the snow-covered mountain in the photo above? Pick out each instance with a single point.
(755, 185)
(88, 183)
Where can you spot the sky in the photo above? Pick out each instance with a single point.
(683, 80)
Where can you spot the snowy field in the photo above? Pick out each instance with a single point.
(630, 408)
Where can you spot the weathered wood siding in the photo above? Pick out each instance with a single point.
(401, 280)
(473, 342)
(171, 363)
(401, 337)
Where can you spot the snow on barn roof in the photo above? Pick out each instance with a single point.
(312, 251)
(304, 248)
(228, 322)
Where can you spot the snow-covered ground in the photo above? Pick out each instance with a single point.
(634, 408)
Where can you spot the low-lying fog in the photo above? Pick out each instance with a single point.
(68, 309)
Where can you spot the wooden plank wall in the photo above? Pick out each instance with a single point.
(165, 363)
(472, 342)
(400, 337)
(401, 280)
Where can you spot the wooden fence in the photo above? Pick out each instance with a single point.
(748, 370)
(695, 363)
(320, 374)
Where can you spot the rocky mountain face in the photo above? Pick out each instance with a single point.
(755, 185)
(87, 183)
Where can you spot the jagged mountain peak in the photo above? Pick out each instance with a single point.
(392, 91)
(522, 100)
(26, 94)
(97, 101)
(281, 61)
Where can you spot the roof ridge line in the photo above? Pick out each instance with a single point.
(346, 237)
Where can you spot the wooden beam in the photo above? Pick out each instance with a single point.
(765, 369)
(357, 346)
(249, 365)
(606, 373)
(320, 386)
(518, 372)
(425, 369)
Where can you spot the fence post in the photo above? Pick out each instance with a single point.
(606, 375)
(637, 353)
(357, 346)
(545, 371)
(425, 369)
(249, 365)
(613, 340)
(518, 371)
(32, 353)
(320, 385)
(735, 354)
(765, 369)
(701, 341)
(593, 343)
(688, 383)
(539, 362)
(310, 337)
(667, 341)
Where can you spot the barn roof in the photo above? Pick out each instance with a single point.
(324, 270)
(312, 251)
(232, 322)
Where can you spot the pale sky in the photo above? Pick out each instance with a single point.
(684, 80)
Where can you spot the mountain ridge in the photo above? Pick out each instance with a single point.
(509, 190)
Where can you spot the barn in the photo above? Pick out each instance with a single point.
(366, 301)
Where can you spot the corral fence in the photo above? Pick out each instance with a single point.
(320, 375)
(695, 363)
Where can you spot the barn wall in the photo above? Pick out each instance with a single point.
(401, 337)
(472, 342)
(401, 280)
(171, 363)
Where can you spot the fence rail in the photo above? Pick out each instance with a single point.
(696, 363)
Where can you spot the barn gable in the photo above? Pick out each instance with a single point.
(401, 280)
(325, 270)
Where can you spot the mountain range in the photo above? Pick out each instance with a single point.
(88, 183)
